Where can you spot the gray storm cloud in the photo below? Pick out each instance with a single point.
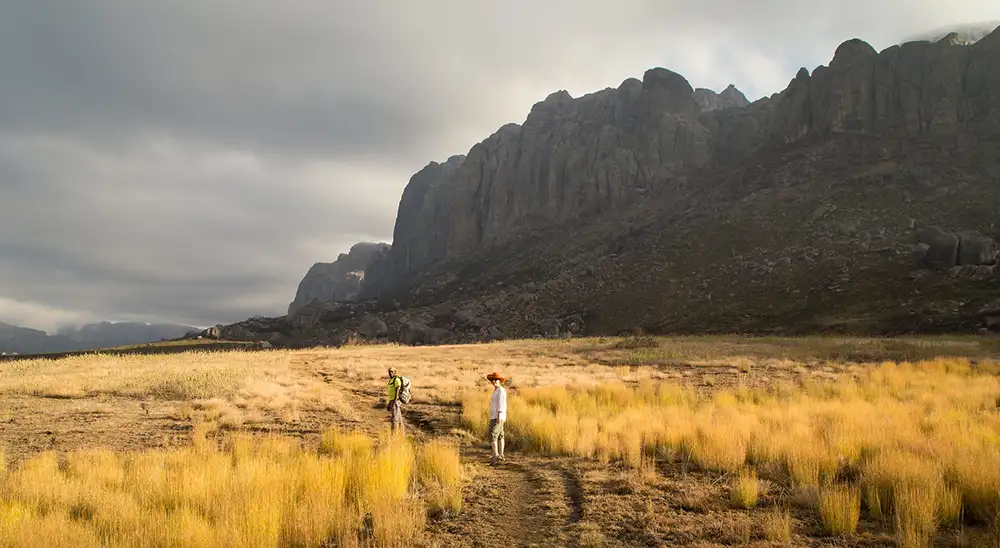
(189, 160)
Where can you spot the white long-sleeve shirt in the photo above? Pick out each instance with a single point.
(498, 404)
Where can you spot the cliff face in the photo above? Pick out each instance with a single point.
(571, 157)
(340, 280)
(730, 97)
(656, 205)
(916, 89)
(575, 157)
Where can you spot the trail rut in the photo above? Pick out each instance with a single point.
(526, 502)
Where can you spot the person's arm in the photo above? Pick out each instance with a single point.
(503, 405)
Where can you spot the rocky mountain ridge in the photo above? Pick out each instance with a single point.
(861, 198)
(730, 97)
(608, 149)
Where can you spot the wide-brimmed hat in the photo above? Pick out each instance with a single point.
(495, 376)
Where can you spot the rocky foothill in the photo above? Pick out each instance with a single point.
(340, 280)
(863, 198)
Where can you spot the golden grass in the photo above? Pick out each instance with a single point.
(889, 431)
(253, 492)
(777, 525)
(918, 442)
(839, 509)
(744, 489)
(591, 535)
(440, 472)
(191, 375)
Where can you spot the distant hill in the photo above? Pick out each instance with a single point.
(23, 340)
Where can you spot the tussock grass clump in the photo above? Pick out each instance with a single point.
(777, 525)
(265, 492)
(439, 471)
(915, 512)
(744, 489)
(335, 442)
(840, 509)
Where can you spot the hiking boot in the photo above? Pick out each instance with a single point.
(494, 461)
(503, 460)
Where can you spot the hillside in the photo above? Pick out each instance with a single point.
(22, 340)
(862, 198)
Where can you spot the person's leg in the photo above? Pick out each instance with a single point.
(397, 418)
(494, 440)
(500, 442)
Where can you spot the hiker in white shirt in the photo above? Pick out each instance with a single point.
(498, 416)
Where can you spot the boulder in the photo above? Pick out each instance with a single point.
(918, 252)
(463, 318)
(440, 336)
(481, 323)
(942, 251)
(413, 333)
(983, 271)
(976, 249)
(929, 234)
(372, 327)
(443, 312)
(549, 327)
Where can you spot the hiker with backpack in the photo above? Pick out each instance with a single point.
(399, 393)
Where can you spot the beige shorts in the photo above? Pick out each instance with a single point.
(395, 412)
(496, 430)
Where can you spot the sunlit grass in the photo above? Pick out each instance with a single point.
(839, 509)
(439, 471)
(744, 489)
(252, 492)
(777, 526)
(917, 443)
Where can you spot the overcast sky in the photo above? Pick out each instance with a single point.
(189, 160)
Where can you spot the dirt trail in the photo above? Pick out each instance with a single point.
(528, 501)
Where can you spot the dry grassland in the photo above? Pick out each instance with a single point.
(266, 492)
(697, 441)
(917, 443)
